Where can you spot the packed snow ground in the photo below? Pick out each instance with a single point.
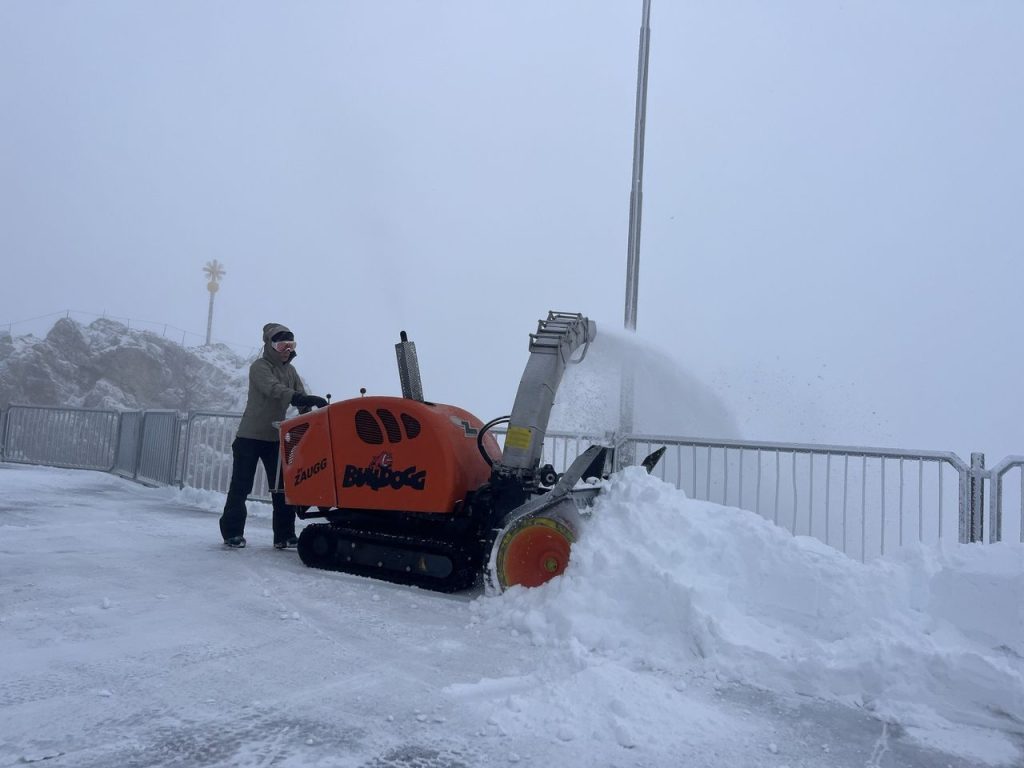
(683, 633)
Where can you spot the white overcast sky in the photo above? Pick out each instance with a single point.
(832, 235)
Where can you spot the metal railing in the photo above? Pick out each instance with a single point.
(207, 454)
(158, 448)
(560, 447)
(999, 509)
(863, 501)
(77, 438)
(129, 443)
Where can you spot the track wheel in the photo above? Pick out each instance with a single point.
(531, 551)
(317, 545)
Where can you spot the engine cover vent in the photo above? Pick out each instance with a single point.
(390, 425)
(367, 428)
(412, 426)
(291, 440)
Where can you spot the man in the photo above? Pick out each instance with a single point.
(274, 384)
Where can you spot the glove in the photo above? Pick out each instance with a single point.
(300, 400)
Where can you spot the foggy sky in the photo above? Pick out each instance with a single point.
(831, 239)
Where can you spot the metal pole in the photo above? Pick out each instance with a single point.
(214, 272)
(209, 320)
(977, 516)
(626, 395)
(636, 191)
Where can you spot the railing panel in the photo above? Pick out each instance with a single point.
(560, 447)
(207, 456)
(76, 438)
(159, 448)
(863, 501)
(129, 440)
(1006, 501)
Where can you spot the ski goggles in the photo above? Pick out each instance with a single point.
(281, 346)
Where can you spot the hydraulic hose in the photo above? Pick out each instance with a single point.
(483, 431)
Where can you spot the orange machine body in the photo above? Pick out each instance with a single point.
(384, 453)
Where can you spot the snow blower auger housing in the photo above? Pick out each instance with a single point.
(420, 493)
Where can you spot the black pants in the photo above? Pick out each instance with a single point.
(246, 452)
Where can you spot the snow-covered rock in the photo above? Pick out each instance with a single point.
(108, 365)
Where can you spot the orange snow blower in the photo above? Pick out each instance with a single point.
(420, 493)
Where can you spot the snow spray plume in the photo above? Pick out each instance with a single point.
(668, 400)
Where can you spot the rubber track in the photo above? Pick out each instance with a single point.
(465, 563)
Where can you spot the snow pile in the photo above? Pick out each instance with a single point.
(932, 638)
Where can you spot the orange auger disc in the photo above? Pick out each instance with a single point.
(532, 551)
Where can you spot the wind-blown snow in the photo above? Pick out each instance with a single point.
(683, 633)
(667, 400)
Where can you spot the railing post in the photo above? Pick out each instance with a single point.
(177, 440)
(995, 503)
(624, 454)
(141, 432)
(117, 440)
(187, 449)
(610, 438)
(976, 532)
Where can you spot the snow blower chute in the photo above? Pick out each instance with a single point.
(420, 493)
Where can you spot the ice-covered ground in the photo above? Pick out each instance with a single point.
(683, 633)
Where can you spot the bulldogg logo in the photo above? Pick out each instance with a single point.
(380, 474)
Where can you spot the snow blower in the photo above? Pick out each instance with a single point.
(420, 493)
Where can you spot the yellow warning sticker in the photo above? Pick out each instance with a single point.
(519, 437)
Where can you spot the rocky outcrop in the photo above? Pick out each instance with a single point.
(108, 365)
